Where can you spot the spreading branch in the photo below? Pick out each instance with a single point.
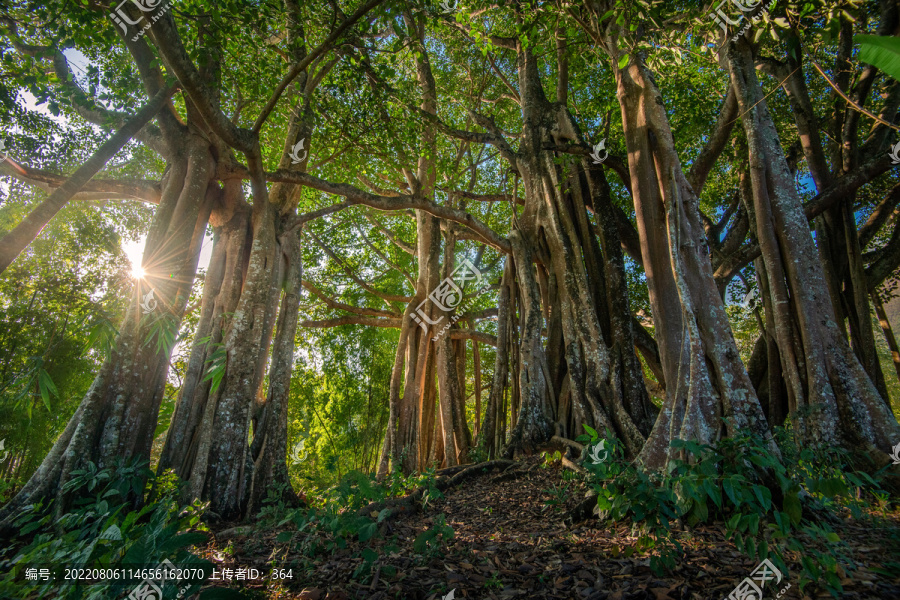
(12, 244)
(95, 189)
(331, 303)
(367, 321)
(363, 284)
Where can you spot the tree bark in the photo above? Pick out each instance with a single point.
(269, 447)
(888, 331)
(833, 401)
(117, 417)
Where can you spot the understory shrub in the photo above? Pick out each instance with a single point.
(769, 507)
(101, 530)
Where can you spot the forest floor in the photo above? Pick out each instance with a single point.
(511, 541)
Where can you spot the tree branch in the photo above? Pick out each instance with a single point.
(472, 334)
(354, 277)
(390, 236)
(12, 244)
(370, 322)
(372, 312)
(879, 216)
(355, 195)
(300, 66)
(95, 189)
(717, 140)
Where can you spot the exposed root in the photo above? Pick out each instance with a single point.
(443, 483)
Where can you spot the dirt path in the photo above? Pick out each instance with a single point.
(511, 542)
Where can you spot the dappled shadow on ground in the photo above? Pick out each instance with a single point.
(511, 541)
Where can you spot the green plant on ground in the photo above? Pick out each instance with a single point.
(430, 541)
(428, 481)
(763, 507)
(558, 495)
(101, 531)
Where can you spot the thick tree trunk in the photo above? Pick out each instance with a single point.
(406, 444)
(833, 401)
(269, 447)
(588, 374)
(491, 437)
(117, 417)
(708, 391)
(192, 422)
(533, 425)
(225, 480)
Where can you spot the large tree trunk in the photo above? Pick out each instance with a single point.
(708, 392)
(533, 425)
(117, 417)
(588, 374)
(832, 399)
(191, 421)
(269, 447)
(256, 271)
(491, 437)
(409, 444)
(456, 437)
(228, 470)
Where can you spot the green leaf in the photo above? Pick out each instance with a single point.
(367, 531)
(732, 523)
(728, 486)
(112, 533)
(880, 51)
(713, 492)
(46, 387)
(792, 507)
(623, 62)
(421, 543)
(764, 496)
(369, 555)
(216, 370)
(284, 536)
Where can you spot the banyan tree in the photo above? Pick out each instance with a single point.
(554, 207)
